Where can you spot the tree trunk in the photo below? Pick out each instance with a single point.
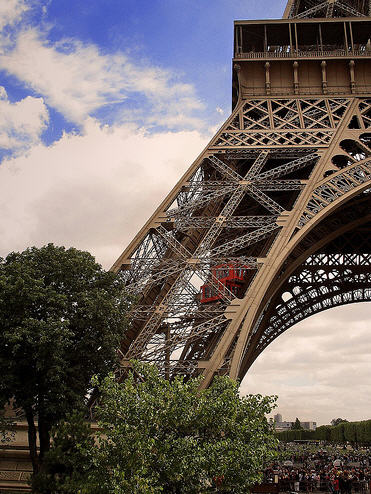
(44, 429)
(44, 436)
(32, 439)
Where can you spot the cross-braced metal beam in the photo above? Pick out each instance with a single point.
(240, 249)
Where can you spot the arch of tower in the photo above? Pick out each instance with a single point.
(279, 201)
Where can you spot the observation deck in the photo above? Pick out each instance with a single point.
(305, 56)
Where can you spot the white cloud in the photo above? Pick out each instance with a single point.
(22, 122)
(320, 368)
(77, 80)
(95, 190)
(11, 11)
(92, 191)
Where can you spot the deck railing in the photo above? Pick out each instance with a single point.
(302, 54)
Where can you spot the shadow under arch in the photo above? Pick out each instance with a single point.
(329, 268)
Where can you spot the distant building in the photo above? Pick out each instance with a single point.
(277, 418)
(281, 425)
(309, 426)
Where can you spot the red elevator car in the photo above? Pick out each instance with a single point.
(225, 276)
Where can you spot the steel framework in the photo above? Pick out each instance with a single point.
(282, 190)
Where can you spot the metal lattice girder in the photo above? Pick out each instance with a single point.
(246, 262)
(211, 236)
(280, 185)
(284, 139)
(151, 345)
(347, 9)
(153, 272)
(173, 243)
(156, 319)
(339, 260)
(178, 339)
(336, 274)
(304, 115)
(224, 169)
(355, 175)
(232, 204)
(200, 201)
(313, 10)
(171, 267)
(264, 188)
(153, 277)
(290, 167)
(318, 297)
(180, 309)
(207, 185)
(328, 9)
(183, 277)
(264, 200)
(286, 119)
(201, 222)
(244, 240)
(257, 165)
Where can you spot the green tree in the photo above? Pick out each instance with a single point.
(338, 421)
(169, 437)
(355, 432)
(70, 458)
(61, 317)
(323, 433)
(337, 433)
(296, 426)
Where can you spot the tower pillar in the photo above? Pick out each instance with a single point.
(275, 209)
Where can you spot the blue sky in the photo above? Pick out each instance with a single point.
(104, 104)
(189, 42)
(80, 81)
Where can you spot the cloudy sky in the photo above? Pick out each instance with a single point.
(103, 105)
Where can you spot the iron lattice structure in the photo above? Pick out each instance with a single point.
(281, 193)
(325, 8)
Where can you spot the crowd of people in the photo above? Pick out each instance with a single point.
(308, 469)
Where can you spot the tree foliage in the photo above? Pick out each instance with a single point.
(70, 458)
(296, 426)
(323, 433)
(169, 437)
(61, 318)
(357, 433)
(338, 421)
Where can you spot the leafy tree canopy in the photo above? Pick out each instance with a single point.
(167, 437)
(70, 458)
(296, 426)
(61, 318)
(338, 421)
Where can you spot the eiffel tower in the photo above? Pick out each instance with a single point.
(271, 223)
